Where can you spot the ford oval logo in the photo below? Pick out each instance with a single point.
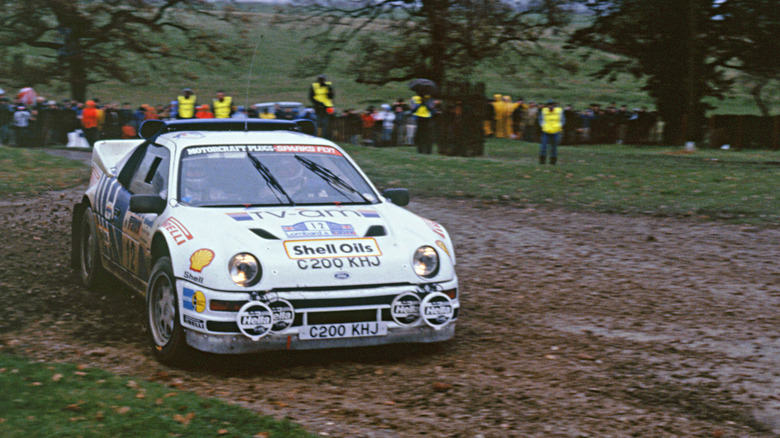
(341, 275)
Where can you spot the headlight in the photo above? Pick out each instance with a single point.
(244, 269)
(426, 261)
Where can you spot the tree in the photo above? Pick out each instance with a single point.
(682, 47)
(432, 39)
(749, 42)
(80, 42)
(662, 40)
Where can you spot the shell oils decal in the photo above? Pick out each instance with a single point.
(200, 259)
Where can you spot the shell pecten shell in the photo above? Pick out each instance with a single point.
(200, 259)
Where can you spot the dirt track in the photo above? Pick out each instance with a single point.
(574, 325)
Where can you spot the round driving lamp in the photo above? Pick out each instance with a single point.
(425, 262)
(244, 269)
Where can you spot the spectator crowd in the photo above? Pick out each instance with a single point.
(613, 124)
(400, 123)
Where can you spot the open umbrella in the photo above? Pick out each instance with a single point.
(27, 95)
(424, 87)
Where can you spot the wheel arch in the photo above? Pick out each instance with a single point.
(159, 248)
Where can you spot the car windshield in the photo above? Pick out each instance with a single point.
(264, 175)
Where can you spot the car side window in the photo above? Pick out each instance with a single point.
(151, 175)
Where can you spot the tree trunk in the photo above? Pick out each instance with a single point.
(756, 92)
(77, 78)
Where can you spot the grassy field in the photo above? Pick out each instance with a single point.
(72, 401)
(275, 54)
(738, 186)
(27, 171)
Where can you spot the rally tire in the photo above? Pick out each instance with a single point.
(90, 265)
(166, 335)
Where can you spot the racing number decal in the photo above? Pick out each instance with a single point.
(112, 202)
(129, 252)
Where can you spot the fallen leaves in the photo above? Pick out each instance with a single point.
(184, 419)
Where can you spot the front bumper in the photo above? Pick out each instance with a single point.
(237, 344)
(217, 331)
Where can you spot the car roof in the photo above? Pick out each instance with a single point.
(151, 129)
(186, 139)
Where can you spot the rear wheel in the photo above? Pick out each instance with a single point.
(166, 335)
(89, 264)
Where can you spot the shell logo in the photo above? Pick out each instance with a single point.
(200, 259)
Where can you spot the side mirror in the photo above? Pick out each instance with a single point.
(150, 128)
(306, 126)
(147, 204)
(399, 197)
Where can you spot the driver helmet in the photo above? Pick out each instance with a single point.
(290, 175)
(195, 183)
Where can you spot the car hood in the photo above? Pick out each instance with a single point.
(309, 246)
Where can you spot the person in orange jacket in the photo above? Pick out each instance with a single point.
(204, 112)
(89, 122)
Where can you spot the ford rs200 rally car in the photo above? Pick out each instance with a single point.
(254, 235)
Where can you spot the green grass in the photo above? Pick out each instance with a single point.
(29, 171)
(66, 401)
(738, 186)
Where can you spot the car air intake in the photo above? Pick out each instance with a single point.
(264, 234)
(375, 231)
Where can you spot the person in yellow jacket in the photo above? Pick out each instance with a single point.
(498, 109)
(504, 124)
(423, 110)
(551, 119)
(186, 109)
(222, 106)
(321, 96)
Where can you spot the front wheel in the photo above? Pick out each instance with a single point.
(166, 335)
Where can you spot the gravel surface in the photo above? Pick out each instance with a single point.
(573, 325)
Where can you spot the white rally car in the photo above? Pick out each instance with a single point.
(254, 235)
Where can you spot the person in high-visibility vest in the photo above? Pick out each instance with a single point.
(422, 110)
(186, 104)
(321, 96)
(551, 119)
(222, 106)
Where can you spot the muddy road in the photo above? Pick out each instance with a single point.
(573, 325)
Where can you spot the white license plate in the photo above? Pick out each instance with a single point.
(337, 331)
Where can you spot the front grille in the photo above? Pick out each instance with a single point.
(383, 300)
(342, 317)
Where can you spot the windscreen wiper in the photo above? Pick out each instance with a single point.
(331, 178)
(270, 181)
